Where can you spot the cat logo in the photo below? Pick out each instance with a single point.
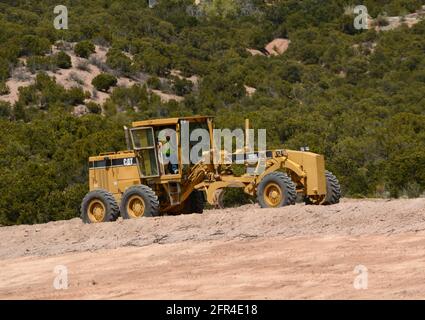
(128, 162)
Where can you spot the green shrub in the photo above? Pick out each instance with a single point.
(291, 72)
(63, 60)
(4, 69)
(118, 61)
(104, 81)
(34, 45)
(346, 24)
(154, 83)
(84, 49)
(234, 197)
(413, 190)
(49, 63)
(219, 8)
(5, 109)
(153, 61)
(41, 63)
(130, 97)
(110, 108)
(4, 89)
(75, 96)
(94, 107)
(182, 86)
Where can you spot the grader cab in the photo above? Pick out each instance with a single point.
(165, 172)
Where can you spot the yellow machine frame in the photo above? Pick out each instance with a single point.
(116, 172)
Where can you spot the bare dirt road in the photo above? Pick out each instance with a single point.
(297, 252)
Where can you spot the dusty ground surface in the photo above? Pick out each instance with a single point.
(243, 253)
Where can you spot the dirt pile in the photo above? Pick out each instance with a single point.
(299, 252)
(349, 218)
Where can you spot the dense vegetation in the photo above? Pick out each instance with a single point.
(355, 96)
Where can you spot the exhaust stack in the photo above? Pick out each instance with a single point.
(127, 138)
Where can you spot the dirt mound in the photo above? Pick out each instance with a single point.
(351, 217)
(298, 252)
(278, 46)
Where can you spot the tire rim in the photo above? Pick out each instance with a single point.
(273, 195)
(96, 211)
(136, 207)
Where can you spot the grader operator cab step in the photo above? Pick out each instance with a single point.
(153, 177)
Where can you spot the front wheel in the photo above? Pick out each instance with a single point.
(276, 190)
(139, 201)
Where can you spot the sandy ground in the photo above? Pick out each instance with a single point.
(298, 252)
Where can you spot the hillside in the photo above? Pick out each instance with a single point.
(296, 68)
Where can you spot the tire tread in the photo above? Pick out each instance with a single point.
(290, 190)
(105, 196)
(148, 193)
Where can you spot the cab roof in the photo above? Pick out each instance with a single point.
(169, 121)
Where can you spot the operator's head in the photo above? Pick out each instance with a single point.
(168, 138)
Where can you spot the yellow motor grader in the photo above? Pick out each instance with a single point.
(139, 183)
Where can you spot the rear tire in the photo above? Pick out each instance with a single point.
(333, 190)
(195, 203)
(139, 201)
(276, 190)
(99, 206)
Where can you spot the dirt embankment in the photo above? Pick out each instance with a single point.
(352, 218)
(248, 252)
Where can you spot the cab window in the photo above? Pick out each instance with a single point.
(144, 143)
